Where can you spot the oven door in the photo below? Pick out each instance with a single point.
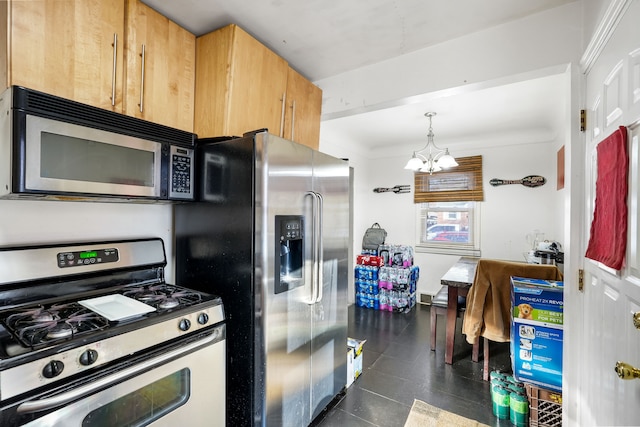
(63, 157)
(185, 383)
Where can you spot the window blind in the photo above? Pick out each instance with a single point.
(462, 183)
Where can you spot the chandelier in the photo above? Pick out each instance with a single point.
(434, 159)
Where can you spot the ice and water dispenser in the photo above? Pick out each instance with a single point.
(289, 235)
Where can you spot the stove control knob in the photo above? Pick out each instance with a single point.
(184, 324)
(53, 369)
(88, 357)
(203, 318)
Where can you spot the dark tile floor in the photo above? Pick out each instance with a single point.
(398, 367)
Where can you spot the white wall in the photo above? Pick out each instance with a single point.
(541, 44)
(508, 212)
(38, 222)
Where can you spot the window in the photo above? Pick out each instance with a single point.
(447, 210)
(448, 227)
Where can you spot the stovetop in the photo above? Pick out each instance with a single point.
(40, 325)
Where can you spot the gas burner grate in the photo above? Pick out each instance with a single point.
(43, 325)
(162, 296)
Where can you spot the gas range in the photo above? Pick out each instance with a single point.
(74, 309)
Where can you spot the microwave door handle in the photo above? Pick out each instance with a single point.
(85, 390)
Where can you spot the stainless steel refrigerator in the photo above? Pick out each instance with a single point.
(270, 234)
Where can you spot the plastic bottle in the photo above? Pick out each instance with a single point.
(518, 409)
(383, 299)
(500, 401)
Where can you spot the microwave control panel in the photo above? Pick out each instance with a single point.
(181, 175)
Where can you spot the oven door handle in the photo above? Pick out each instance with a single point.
(55, 401)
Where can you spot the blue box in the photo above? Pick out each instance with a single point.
(536, 353)
(537, 300)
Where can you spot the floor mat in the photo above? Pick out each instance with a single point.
(424, 415)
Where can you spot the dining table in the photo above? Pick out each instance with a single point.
(458, 280)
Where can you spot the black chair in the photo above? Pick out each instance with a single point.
(439, 305)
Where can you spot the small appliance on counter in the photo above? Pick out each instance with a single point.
(547, 252)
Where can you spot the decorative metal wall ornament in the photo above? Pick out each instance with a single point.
(527, 181)
(398, 189)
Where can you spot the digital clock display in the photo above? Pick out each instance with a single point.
(90, 254)
(87, 258)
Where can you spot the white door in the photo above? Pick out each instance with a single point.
(600, 320)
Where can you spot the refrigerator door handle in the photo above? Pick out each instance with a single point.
(316, 247)
(320, 248)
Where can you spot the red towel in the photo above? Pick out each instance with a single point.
(608, 241)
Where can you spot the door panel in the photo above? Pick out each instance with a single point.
(610, 297)
(329, 315)
(284, 169)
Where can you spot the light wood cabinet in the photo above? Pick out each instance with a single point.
(303, 108)
(90, 51)
(242, 86)
(72, 49)
(239, 84)
(160, 68)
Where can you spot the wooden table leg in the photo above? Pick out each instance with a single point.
(452, 314)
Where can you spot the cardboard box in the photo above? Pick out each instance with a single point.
(537, 300)
(537, 331)
(536, 353)
(354, 359)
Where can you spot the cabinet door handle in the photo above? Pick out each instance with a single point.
(284, 102)
(142, 80)
(113, 74)
(293, 118)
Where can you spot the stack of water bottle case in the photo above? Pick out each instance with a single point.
(386, 279)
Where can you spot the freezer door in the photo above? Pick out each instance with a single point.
(284, 178)
(304, 316)
(329, 312)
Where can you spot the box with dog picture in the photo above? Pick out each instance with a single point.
(537, 331)
(537, 300)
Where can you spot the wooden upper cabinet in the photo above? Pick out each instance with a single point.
(160, 68)
(69, 48)
(90, 51)
(303, 108)
(242, 86)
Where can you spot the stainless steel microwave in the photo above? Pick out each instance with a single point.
(55, 148)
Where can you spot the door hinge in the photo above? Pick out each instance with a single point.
(581, 280)
(583, 120)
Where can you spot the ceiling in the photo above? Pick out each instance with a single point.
(324, 38)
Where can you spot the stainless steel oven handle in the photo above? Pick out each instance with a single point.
(53, 402)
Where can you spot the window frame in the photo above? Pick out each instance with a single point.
(436, 192)
(472, 248)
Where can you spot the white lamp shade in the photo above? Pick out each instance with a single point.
(414, 163)
(447, 161)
